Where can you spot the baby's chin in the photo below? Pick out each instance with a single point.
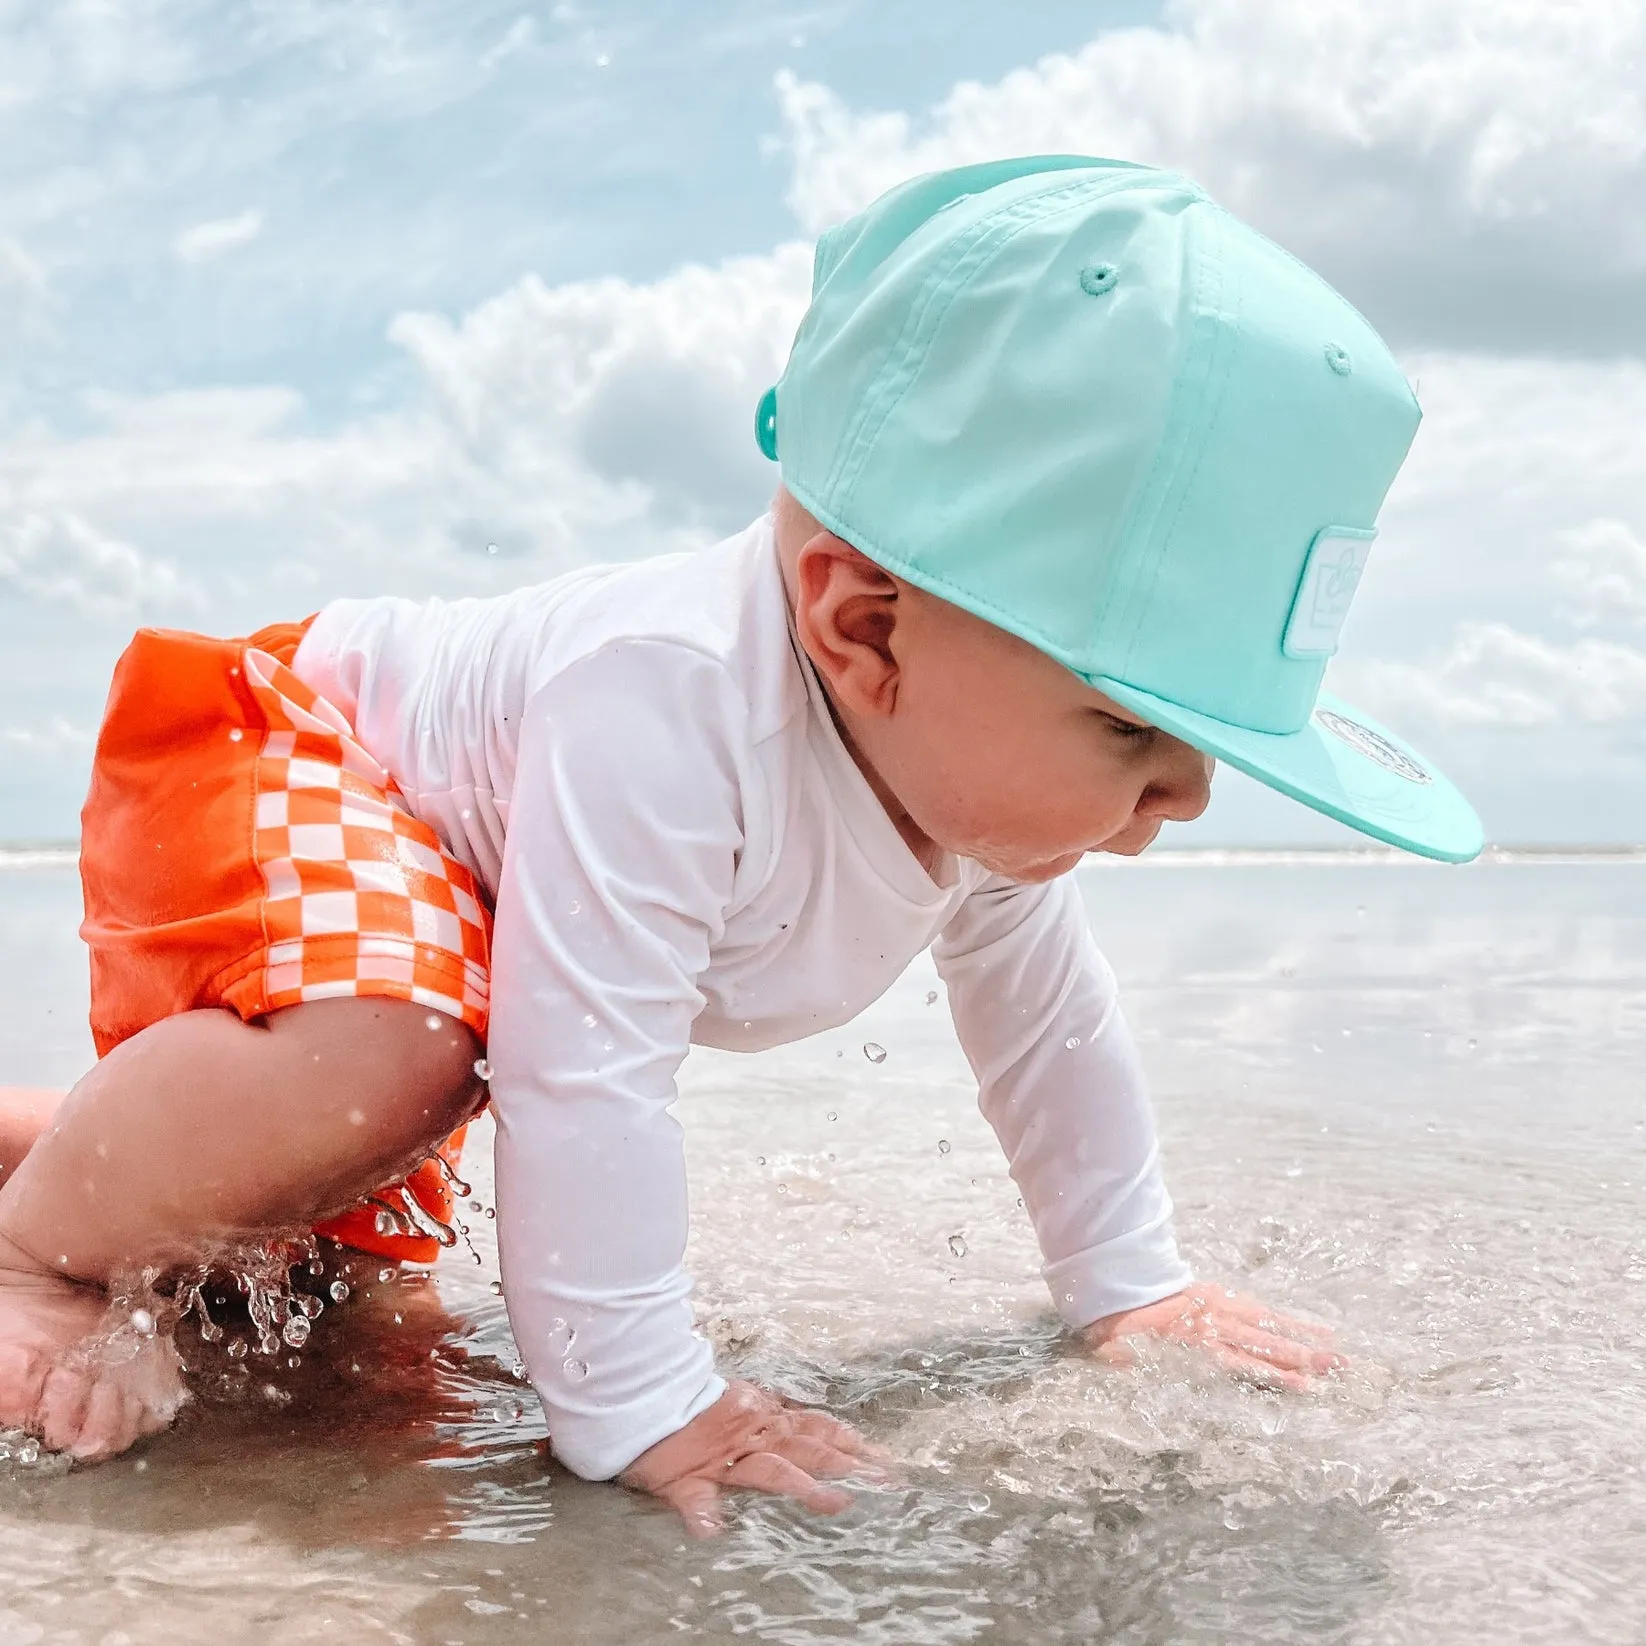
(1029, 871)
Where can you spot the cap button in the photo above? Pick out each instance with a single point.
(765, 424)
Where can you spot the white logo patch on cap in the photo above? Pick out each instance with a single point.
(1331, 574)
(1377, 748)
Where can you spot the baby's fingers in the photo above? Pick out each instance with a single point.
(1261, 1373)
(1284, 1352)
(767, 1472)
(1267, 1320)
(697, 1502)
(816, 1425)
(818, 1457)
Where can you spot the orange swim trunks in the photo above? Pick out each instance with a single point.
(239, 848)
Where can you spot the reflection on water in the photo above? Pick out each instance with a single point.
(1399, 1099)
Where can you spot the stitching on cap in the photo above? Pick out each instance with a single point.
(990, 236)
(1218, 372)
(1145, 510)
(941, 289)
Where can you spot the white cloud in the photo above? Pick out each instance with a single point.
(593, 420)
(1470, 170)
(62, 559)
(1494, 675)
(1602, 570)
(205, 241)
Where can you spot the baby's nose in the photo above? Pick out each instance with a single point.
(1181, 793)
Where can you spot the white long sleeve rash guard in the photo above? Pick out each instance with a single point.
(639, 764)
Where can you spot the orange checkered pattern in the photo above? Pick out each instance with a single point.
(362, 898)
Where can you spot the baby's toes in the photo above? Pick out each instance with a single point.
(62, 1410)
(23, 1373)
(110, 1423)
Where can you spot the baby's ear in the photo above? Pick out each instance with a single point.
(847, 611)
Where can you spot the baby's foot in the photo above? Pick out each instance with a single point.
(79, 1388)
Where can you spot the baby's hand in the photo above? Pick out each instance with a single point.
(751, 1437)
(1256, 1344)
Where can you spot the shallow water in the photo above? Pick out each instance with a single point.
(1401, 1099)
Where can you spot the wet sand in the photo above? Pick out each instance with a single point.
(1400, 1099)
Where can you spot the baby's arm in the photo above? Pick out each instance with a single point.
(624, 831)
(1037, 1010)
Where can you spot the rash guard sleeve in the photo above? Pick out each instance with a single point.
(1059, 1080)
(623, 841)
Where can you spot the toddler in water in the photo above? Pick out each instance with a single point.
(1078, 477)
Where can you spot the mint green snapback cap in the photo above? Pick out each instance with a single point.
(1082, 401)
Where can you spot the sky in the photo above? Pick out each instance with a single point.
(305, 298)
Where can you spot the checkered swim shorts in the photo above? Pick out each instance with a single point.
(241, 849)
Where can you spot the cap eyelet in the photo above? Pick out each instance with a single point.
(1337, 357)
(765, 424)
(1098, 278)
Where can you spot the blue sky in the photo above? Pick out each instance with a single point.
(326, 296)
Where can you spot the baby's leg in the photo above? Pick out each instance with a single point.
(202, 1128)
(25, 1112)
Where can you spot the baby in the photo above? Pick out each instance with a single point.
(1079, 476)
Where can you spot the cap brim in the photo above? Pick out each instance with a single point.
(1341, 763)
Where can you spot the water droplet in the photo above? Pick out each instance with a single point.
(1348, 1034)
(1473, 1044)
(482, 1069)
(267, 1343)
(931, 997)
(491, 1211)
(832, 1115)
(874, 1051)
(385, 1275)
(760, 1160)
(296, 1331)
(142, 1322)
(236, 735)
(357, 1117)
(957, 1245)
(590, 1020)
(491, 548)
(29, 1451)
(339, 1290)
(384, 1223)
(576, 908)
(311, 1307)
(943, 1145)
(978, 1503)
(576, 1370)
(496, 1288)
(316, 1267)
(1072, 1042)
(237, 1349)
(433, 1021)
(211, 1332)
(782, 1188)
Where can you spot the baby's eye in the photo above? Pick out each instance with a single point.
(1128, 728)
